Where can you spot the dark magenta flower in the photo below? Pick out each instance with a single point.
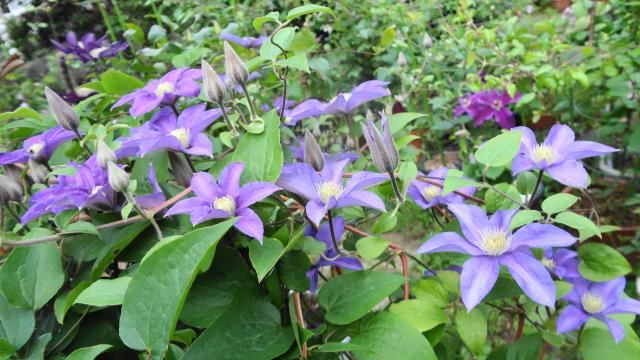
(88, 188)
(330, 257)
(563, 263)
(344, 103)
(487, 105)
(39, 147)
(325, 191)
(427, 195)
(89, 48)
(225, 198)
(597, 300)
(248, 42)
(491, 244)
(163, 91)
(183, 133)
(558, 155)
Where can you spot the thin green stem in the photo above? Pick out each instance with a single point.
(84, 146)
(396, 189)
(145, 215)
(333, 233)
(250, 101)
(227, 121)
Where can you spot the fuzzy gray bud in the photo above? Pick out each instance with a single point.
(180, 168)
(10, 190)
(402, 60)
(312, 152)
(65, 116)
(118, 178)
(426, 41)
(104, 154)
(37, 171)
(381, 145)
(234, 66)
(214, 87)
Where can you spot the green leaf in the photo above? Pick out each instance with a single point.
(387, 336)
(261, 153)
(524, 217)
(431, 290)
(32, 275)
(581, 77)
(526, 98)
(270, 17)
(189, 57)
(88, 353)
(64, 302)
(496, 201)
(308, 9)
(118, 83)
(292, 270)
(104, 292)
(600, 262)
(398, 121)
(387, 37)
(597, 344)
(116, 240)
(156, 33)
(265, 256)
(472, 328)
(350, 296)
(159, 288)
(455, 180)
(340, 347)
(386, 222)
(38, 347)
(81, 227)
(283, 38)
(558, 202)
(16, 324)
(21, 113)
(585, 226)
(500, 150)
(371, 247)
(249, 329)
(297, 61)
(526, 182)
(421, 314)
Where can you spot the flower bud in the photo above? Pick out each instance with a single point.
(312, 153)
(118, 178)
(426, 41)
(382, 147)
(65, 116)
(402, 60)
(10, 190)
(37, 171)
(214, 88)
(235, 68)
(180, 169)
(104, 154)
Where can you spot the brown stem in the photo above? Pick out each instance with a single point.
(300, 318)
(405, 272)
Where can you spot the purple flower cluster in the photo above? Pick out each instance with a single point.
(88, 47)
(487, 105)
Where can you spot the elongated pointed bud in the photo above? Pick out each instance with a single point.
(118, 178)
(10, 190)
(37, 171)
(214, 88)
(312, 152)
(402, 60)
(426, 41)
(104, 154)
(65, 116)
(381, 146)
(234, 66)
(180, 169)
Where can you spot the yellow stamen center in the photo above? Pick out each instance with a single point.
(592, 303)
(96, 52)
(163, 88)
(96, 189)
(226, 204)
(328, 189)
(182, 135)
(494, 241)
(548, 263)
(35, 148)
(544, 152)
(430, 192)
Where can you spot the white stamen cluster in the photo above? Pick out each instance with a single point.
(182, 135)
(163, 88)
(328, 189)
(494, 241)
(431, 192)
(548, 263)
(592, 303)
(226, 204)
(35, 148)
(544, 152)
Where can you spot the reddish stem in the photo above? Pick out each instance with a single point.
(520, 326)
(405, 272)
(300, 317)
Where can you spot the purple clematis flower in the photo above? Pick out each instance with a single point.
(427, 195)
(330, 256)
(39, 147)
(163, 91)
(558, 155)
(346, 102)
(89, 48)
(298, 153)
(465, 106)
(310, 108)
(247, 42)
(491, 244)
(88, 188)
(155, 198)
(596, 300)
(486, 105)
(225, 199)
(166, 131)
(325, 191)
(563, 263)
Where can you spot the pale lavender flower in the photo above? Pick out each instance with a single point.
(563, 263)
(558, 155)
(38, 148)
(491, 244)
(248, 42)
(344, 103)
(89, 48)
(427, 195)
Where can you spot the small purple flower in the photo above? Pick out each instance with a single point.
(427, 195)
(88, 188)
(561, 262)
(325, 191)
(491, 244)
(225, 199)
(298, 153)
(155, 198)
(465, 106)
(597, 300)
(163, 91)
(486, 105)
(89, 48)
(344, 103)
(247, 42)
(183, 133)
(39, 147)
(558, 155)
(330, 256)
(310, 108)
